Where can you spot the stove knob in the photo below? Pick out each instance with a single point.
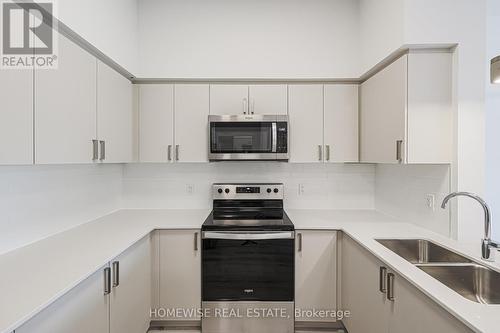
(226, 190)
(268, 190)
(219, 190)
(276, 190)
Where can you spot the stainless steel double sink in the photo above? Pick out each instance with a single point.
(470, 279)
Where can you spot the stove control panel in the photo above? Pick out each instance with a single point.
(222, 191)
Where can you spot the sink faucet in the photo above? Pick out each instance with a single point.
(487, 244)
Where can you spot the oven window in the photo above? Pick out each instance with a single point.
(241, 137)
(244, 270)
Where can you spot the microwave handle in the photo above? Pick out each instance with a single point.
(274, 138)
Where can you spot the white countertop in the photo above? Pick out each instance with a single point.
(32, 277)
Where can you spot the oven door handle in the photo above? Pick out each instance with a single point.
(248, 235)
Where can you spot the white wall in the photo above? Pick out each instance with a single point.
(401, 191)
(493, 118)
(109, 25)
(249, 39)
(39, 201)
(325, 186)
(381, 30)
(462, 22)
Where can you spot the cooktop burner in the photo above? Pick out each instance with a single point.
(248, 207)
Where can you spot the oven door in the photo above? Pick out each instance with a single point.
(248, 266)
(246, 137)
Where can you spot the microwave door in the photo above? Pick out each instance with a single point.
(243, 140)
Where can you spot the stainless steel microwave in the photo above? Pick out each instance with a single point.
(248, 137)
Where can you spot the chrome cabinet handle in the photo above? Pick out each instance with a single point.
(382, 280)
(176, 152)
(116, 274)
(320, 153)
(107, 281)
(196, 241)
(327, 153)
(299, 239)
(390, 287)
(169, 152)
(102, 146)
(399, 151)
(245, 106)
(95, 150)
(252, 106)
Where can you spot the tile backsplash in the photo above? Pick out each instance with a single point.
(39, 201)
(402, 191)
(319, 186)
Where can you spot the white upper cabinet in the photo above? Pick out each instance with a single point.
(268, 99)
(406, 111)
(116, 116)
(305, 103)
(65, 107)
(191, 122)
(16, 117)
(173, 122)
(383, 108)
(156, 118)
(341, 123)
(228, 99)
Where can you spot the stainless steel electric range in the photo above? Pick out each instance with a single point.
(248, 261)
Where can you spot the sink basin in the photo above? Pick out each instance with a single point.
(474, 282)
(420, 251)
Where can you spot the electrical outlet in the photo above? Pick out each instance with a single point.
(431, 201)
(190, 188)
(301, 189)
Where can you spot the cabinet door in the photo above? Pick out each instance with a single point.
(180, 270)
(115, 115)
(316, 272)
(65, 107)
(360, 290)
(131, 294)
(414, 312)
(156, 122)
(192, 103)
(83, 309)
(16, 117)
(268, 99)
(306, 123)
(341, 123)
(430, 115)
(383, 114)
(226, 99)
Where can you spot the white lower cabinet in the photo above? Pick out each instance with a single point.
(315, 273)
(83, 309)
(179, 272)
(131, 289)
(370, 311)
(89, 308)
